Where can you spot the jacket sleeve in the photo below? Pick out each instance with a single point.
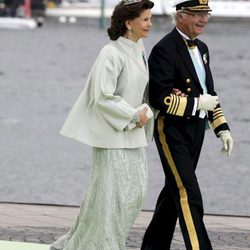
(216, 117)
(217, 120)
(109, 104)
(162, 70)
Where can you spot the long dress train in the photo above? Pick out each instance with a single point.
(116, 191)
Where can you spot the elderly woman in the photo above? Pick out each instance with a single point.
(109, 117)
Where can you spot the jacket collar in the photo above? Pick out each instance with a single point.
(134, 50)
(183, 52)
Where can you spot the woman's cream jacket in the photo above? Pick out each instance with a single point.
(103, 113)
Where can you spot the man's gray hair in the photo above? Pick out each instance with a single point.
(175, 15)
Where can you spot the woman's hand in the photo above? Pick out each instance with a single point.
(143, 118)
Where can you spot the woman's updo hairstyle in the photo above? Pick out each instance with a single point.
(122, 13)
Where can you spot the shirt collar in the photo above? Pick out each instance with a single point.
(184, 35)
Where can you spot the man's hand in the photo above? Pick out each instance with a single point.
(227, 141)
(207, 102)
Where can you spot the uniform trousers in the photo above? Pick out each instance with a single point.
(179, 145)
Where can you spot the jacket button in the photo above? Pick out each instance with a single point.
(188, 90)
(188, 80)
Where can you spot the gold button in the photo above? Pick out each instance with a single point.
(188, 90)
(188, 80)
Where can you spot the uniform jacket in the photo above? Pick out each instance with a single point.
(171, 66)
(103, 113)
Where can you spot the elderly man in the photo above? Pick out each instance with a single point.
(181, 61)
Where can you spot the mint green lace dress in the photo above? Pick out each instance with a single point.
(116, 191)
(104, 117)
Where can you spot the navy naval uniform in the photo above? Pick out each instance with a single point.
(179, 134)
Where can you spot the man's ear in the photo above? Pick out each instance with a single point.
(179, 17)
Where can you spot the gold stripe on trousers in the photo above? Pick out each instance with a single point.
(182, 191)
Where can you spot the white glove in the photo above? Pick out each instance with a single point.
(208, 102)
(227, 141)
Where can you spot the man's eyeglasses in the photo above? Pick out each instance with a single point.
(198, 14)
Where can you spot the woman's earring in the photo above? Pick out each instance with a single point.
(130, 33)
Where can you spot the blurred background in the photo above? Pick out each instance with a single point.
(47, 49)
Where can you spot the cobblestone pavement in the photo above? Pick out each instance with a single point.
(45, 224)
(224, 240)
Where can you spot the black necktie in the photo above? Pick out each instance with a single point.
(191, 43)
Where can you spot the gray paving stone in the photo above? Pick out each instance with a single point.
(226, 233)
(222, 240)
